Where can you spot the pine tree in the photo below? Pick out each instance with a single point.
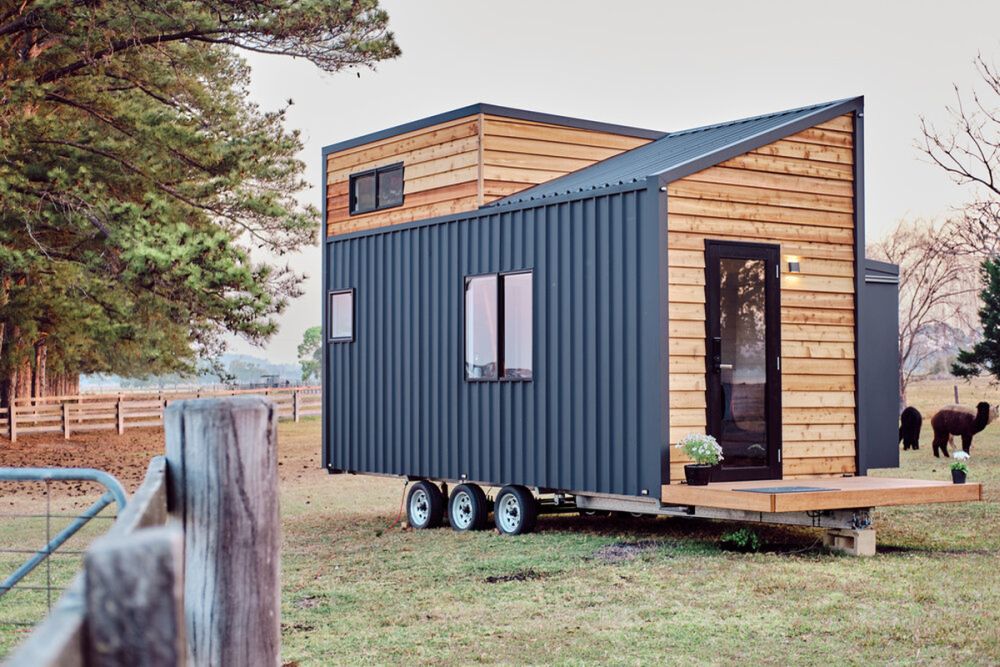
(985, 355)
(136, 177)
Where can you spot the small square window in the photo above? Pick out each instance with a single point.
(341, 316)
(376, 189)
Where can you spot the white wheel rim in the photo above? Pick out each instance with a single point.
(510, 513)
(420, 507)
(462, 513)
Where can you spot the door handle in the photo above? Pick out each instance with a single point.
(717, 356)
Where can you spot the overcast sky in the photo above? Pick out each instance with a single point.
(666, 66)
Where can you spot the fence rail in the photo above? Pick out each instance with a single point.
(188, 573)
(117, 412)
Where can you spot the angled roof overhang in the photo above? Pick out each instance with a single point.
(679, 154)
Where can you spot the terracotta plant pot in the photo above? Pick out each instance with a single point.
(698, 474)
(958, 476)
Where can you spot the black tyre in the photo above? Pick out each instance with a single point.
(424, 505)
(515, 510)
(467, 508)
(595, 513)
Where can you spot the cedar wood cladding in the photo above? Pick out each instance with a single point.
(799, 192)
(461, 164)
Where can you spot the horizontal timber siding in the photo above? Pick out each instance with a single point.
(440, 172)
(797, 192)
(518, 154)
(459, 165)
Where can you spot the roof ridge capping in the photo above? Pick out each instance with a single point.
(799, 116)
(796, 110)
(678, 154)
(496, 110)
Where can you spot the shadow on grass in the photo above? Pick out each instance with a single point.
(685, 535)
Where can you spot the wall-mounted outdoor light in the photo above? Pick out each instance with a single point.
(793, 264)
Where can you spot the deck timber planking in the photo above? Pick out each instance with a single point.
(849, 493)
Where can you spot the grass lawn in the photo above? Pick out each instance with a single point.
(356, 589)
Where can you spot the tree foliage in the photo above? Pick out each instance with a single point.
(985, 354)
(311, 354)
(136, 178)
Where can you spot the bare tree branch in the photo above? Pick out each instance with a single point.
(937, 291)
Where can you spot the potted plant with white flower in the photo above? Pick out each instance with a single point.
(959, 469)
(706, 453)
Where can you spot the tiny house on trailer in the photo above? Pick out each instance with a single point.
(544, 305)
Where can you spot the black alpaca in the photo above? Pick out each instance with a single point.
(909, 428)
(960, 420)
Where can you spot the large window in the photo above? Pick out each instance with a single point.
(517, 322)
(498, 327)
(341, 316)
(377, 189)
(481, 328)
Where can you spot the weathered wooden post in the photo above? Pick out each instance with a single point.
(223, 488)
(65, 419)
(134, 588)
(295, 405)
(12, 421)
(120, 415)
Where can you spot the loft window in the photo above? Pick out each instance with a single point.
(376, 189)
(499, 316)
(341, 314)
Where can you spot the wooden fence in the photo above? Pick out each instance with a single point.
(117, 412)
(189, 572)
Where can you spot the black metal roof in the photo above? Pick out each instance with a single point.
(493, 109)
(678, 154)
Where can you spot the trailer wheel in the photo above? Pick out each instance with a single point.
(467, 508)
(424, 505)
(595, 513)
(515, 510)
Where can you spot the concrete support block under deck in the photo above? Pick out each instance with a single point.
(851, 542)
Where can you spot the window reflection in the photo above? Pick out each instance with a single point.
(481, 328)
(517, 315)
(342, 315)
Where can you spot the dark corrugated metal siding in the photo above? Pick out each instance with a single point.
(398, 401)
(878, 374)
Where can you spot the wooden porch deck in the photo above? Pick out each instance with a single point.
(819, 494)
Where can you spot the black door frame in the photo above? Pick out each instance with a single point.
(771, 254)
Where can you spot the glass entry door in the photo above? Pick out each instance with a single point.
(743, 315)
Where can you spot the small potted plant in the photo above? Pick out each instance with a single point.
(706, 453)
(959, 469)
